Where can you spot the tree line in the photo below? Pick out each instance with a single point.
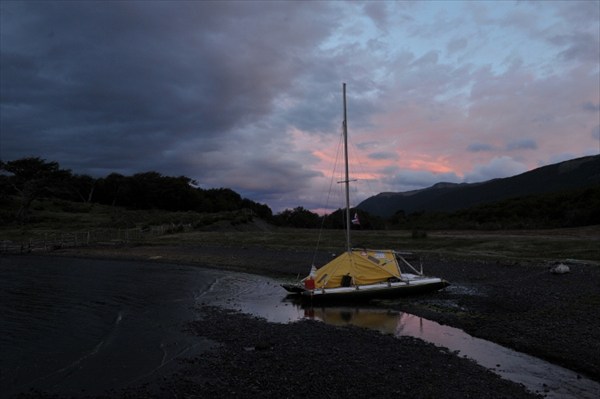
(567, 208)
(29, 179)
(32, 178)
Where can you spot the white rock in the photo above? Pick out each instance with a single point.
(560, 269)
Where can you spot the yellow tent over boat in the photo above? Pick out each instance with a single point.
(362, 266)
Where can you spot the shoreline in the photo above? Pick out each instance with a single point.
(518, 305)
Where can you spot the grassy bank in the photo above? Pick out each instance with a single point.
(55, 218)
(577, 244)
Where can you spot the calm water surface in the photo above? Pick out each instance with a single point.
(76, 326)
(79, 326)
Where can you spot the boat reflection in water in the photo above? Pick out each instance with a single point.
(535, 374)
(398, 324)
(382, 320)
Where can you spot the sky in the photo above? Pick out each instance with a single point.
(248, 95)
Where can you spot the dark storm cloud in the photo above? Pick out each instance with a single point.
(477, 147)
(378, 13)
(384, 155)
(112, 81)
(457, 44)
(579, 46)
(522, 144)
(590, 106)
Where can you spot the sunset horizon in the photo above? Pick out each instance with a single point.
(248, 95)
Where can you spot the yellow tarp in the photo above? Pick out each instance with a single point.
(364, 266)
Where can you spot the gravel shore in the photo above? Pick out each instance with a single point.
(308, 358)
(522, 306)
(519, 305)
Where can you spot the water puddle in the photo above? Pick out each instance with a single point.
(537, 375)
(264, 298)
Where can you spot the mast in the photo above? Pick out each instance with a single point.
(347, 178)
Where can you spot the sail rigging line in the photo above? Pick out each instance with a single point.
(327, 277)
(346, 182)
(333, 173)
(410, 266)
(362, 170)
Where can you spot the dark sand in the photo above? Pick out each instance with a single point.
(519, 305)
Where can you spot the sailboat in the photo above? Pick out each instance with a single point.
(362, 273)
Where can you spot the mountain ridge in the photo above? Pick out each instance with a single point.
(444, 196)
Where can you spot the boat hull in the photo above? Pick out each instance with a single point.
(366, 292)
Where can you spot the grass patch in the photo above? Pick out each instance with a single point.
(451, 244)
(239, 229)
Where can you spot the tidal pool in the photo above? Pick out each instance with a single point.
(262, 297)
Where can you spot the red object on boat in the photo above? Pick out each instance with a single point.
(309, 283)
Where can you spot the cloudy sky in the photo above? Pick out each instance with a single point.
(248, 95)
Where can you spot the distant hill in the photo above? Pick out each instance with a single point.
(568, 175)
